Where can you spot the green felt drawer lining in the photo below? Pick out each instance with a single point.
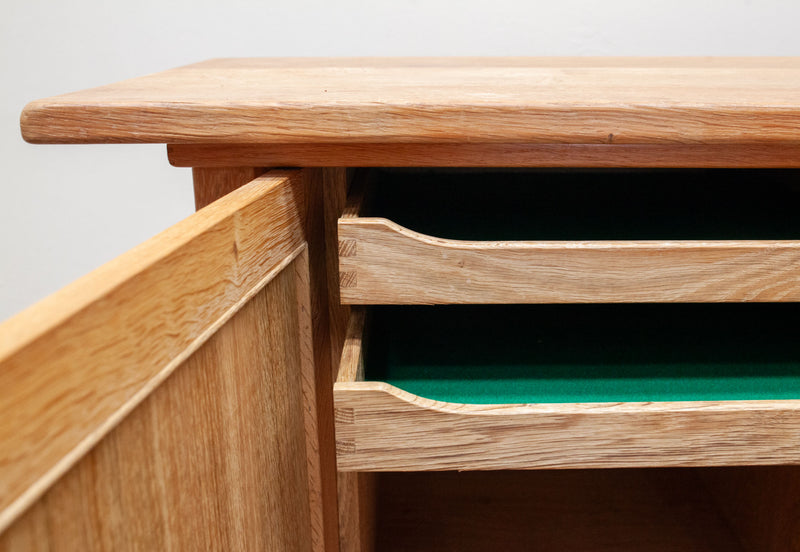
(508, 354)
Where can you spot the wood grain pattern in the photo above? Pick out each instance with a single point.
(74, 365)
(355, 492)
(382, 428)
(316, 402)
(393, 265)
(324, 444)
(335, 183)
(323, 187)
(437, 100)
(357, 496)
(352, 364)
(551, 511)
(212, 184)
(486, 155)
(213, 459)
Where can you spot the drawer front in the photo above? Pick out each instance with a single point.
(380, 427)
(381, 262)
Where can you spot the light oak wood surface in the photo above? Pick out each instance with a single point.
(382, 428)
(352, 364)
(332, 188)
(327, 189)
(437, 100)
(77, 363)
(357, 496)
(357, 490)
(213, 459)
(323, 187)
(212, 184)
(381, 262)
(203, 416)
(486, 155)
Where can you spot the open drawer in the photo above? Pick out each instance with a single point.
(579, 236)
(568, 386)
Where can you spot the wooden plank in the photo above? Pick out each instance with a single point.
(439, 100)
(321, 185)
(382, 428)
(388, 264)
(335, 182)
(352, 364)
(75, 364)
(213, 459)
(487, 155)
(328, 188)
(597, 510)
(316, 402)
(212, 184)
(357, 495)
(355, 492)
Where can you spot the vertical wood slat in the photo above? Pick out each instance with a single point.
(326, 190)
(335, 185)
(357, 515)
(326, 193)
(211, 184)
(324, 445)
(213, 459)
(356, 491)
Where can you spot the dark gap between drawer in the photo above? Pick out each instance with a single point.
(596, 204)
(509, 354)
(619, 510)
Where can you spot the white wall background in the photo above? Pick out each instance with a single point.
(65, 210)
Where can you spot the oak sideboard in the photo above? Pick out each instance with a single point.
(427, 304)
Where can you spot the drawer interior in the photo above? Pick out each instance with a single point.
(509, 354)
(583, 204)
(659, 510)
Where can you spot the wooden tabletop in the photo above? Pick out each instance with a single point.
(437, 100)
